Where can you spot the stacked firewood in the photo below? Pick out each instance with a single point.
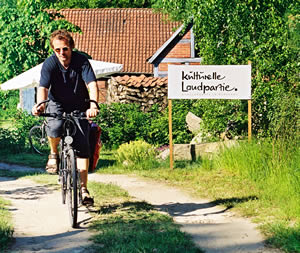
(145, 91)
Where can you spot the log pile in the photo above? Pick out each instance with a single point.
(145, 91)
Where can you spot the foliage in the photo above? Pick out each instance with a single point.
(8, 103)
(122, 123)
(135, 152)
(285, 123)
(25, 28)
(15, 139)
(235, 32)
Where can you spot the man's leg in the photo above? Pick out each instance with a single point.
(52, 164)
(53, 143)
(83, 167)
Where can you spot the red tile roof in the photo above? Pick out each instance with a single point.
(126, 36)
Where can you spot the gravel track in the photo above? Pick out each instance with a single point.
(42, 222)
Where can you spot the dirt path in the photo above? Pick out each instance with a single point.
(40, 220)
(42, 225)
(214, 229)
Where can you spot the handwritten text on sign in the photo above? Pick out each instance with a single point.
(209, 82)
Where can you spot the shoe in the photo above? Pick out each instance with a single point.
(87, 200)
(52, 168)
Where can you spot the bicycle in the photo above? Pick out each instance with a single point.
(69, 176)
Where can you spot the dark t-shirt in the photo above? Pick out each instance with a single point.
(68, 86)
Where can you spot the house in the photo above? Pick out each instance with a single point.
(142, 40)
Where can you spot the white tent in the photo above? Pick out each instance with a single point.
(30, 79)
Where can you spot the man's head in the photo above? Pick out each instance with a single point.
(62, 43)
(62, 35)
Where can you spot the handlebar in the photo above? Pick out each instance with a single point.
(77, 114)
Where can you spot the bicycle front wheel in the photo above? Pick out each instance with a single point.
(38, 140)
(72, 190)
(63, 172)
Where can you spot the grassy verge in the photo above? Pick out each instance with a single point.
(29, 159)
(260, 180)
(6, 228)
(125, 225)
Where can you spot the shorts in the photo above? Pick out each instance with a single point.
(55, 129)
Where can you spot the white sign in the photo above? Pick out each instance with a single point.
(209, 82)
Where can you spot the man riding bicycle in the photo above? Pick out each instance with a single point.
(65, 79)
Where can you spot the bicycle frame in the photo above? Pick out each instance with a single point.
(69, 175)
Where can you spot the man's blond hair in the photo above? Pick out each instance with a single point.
(62, 35)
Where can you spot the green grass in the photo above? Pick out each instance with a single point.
(6, 228)
(260, 180)
(24, 158)
(125, 225)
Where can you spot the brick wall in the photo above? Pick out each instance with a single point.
(181, 50)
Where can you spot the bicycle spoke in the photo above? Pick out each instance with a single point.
(38, 140)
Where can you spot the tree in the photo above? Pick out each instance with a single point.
(25, 28)
(237, 31)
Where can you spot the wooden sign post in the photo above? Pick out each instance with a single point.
(249, 115)
(208, 82)
(249, 120)
(170, 133)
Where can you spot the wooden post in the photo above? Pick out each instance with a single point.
(249, 120)
(170, 133)
(249, 116)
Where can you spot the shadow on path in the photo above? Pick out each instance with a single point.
(28, 193)
(179, 209)
(61, 242)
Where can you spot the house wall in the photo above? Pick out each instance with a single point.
(27, 99)
(182, 49)
(182, 52)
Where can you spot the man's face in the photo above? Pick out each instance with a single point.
(62, 51)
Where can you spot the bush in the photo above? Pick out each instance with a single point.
(8, 103)
(217, 113)
(122, 123)
(15, 139)
(135, 152)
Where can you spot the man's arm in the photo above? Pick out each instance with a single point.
(42, 94)
(93, 111)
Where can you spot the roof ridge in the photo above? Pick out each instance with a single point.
(127, 9)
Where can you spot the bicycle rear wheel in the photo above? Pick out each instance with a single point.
(72, 190)
(38, 140)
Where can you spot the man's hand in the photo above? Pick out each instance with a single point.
(92, 112)
(37, 110)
